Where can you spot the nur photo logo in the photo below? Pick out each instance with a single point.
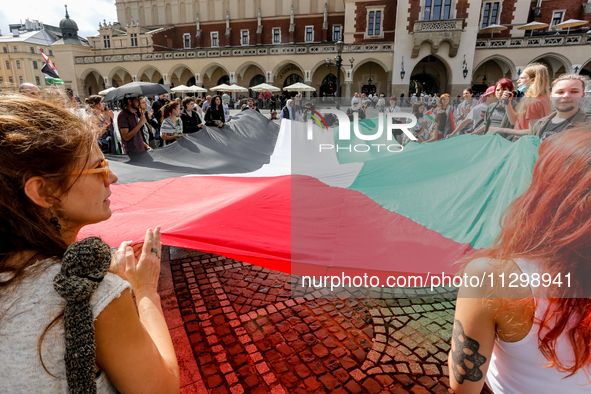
(344, 133)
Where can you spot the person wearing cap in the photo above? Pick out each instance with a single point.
(475, 118)
(496, 114)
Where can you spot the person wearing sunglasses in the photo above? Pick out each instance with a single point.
(55, 181)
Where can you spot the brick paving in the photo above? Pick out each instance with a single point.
(247, 334)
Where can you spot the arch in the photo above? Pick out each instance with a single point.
(182, 13)
(328, 85)
(323, 63)
(498, 59)
(142, 16)
(588, 62)
(209, 69)
(436, 82)
(244, 66)
(368, 60)
(92, 82)
(168, 14)
(225, 79)
(146, 68)
(149, 71)
(291, 79)
(118, 76)
(88, 71)
(173, 70)
(118, 71)
(284, 63)
(556, 57)
(155, 15)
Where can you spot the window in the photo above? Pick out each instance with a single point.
(276, 35)
(37, 81)
(374, 23)
(134, 39)
(309, 33)
(187, 40)
(20, 80)
(32, 49)
(245, 38)
(14, 49)
(106, 42)
(51, 52)
(1, 79)
(490, 14)
(34, 64)
(336, 33)
(18, 64)
(5, 50)
(214, 39)
(7, 65)
(557, 18)
(10, 80)
(434, 8)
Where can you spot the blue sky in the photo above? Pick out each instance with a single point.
(87, 13)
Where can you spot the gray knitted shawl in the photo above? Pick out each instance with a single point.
(84, 266)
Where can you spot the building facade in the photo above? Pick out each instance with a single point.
(391, 46)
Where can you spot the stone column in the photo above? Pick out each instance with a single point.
(348, 88)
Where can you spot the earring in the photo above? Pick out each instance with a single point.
(53, 220)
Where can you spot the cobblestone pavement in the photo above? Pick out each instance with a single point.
(248, 335)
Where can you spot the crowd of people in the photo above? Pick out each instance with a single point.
(56, 180)
(501, 111)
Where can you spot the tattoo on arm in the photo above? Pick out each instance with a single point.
(466, 349)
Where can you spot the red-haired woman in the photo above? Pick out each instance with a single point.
(496, 114)
(523, 331)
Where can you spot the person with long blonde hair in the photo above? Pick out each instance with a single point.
(534, 82)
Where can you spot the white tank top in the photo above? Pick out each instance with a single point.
(519, 367)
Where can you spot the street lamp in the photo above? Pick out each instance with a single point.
(402, 72)
(338, 63)
(465, 68)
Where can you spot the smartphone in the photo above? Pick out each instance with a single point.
(506, 101)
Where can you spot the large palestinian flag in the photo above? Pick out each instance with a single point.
(49, 71)
(261, 192)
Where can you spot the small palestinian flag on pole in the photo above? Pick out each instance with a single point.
(48, 69)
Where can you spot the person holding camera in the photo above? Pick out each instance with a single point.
(496, 115)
